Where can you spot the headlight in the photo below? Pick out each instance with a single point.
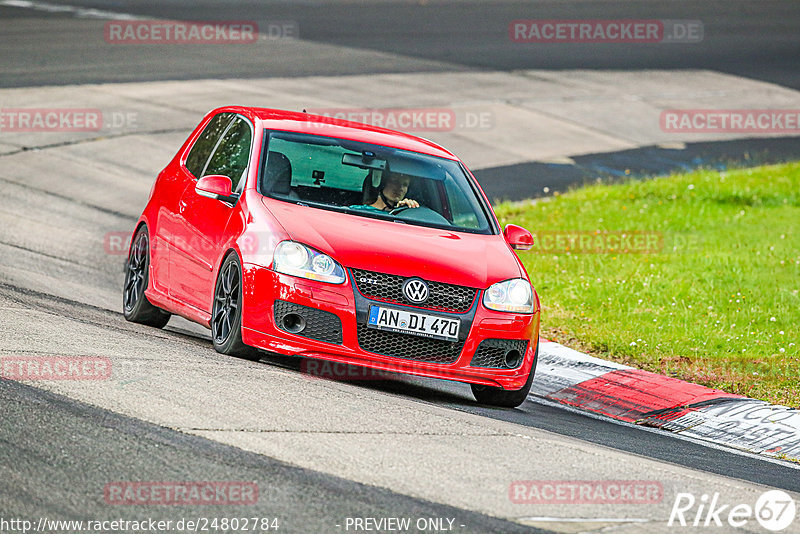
(299, 260)
(514, 296)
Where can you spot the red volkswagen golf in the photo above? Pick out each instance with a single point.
(303, 235)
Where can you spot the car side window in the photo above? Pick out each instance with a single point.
(232, 155)
(205, 143)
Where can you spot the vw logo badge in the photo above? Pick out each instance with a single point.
(415, 290)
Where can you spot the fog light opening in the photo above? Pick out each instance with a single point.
(513, 359)
(293, 323)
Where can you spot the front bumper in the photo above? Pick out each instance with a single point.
(357, 345)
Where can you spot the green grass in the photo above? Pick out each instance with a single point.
(715, 302)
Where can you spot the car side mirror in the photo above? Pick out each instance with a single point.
(216, 186)
(518, 237)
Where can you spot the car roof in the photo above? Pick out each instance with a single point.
(292, 121)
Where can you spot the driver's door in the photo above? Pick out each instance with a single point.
(207, 223)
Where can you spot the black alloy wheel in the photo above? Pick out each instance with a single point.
(226, 312)
(135, 306)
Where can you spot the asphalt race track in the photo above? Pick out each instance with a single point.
(320, 451)
(753, 39)
(104, 446)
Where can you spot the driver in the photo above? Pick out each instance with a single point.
(391, 193)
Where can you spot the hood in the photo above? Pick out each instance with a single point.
(472, 260)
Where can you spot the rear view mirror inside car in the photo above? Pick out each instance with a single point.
(365, 160)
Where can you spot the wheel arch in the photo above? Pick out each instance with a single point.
(222, 258)
(142, 222)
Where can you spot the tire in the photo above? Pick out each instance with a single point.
(135, 306)
(226, 312)
(503, 398)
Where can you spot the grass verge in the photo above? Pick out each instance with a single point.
(692, 275)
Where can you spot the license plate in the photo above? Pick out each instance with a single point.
(409, 322)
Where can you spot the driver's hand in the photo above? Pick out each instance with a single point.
(409, 203)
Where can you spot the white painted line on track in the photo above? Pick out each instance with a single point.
(584, 519)
(77, 11)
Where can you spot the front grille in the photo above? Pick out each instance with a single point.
(389, 288)
(320, 325)
(491, 352)
(407, 346)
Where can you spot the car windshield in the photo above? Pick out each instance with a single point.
(371, 181)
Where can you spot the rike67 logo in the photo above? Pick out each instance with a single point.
(774, 510)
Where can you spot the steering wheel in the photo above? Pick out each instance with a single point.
(397, 210)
